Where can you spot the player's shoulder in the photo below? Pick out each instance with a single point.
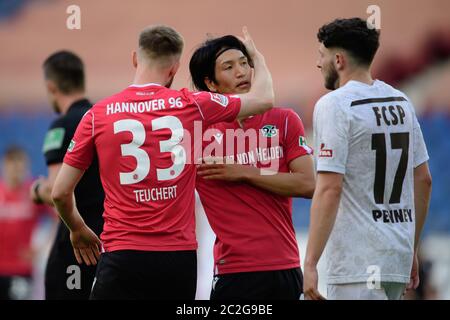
(282, 113)
(334, 99)
(184, 93)
(219, 98)
(99, 107)
(279, 110)
(110, 99)
(59, 122)
(391, 91)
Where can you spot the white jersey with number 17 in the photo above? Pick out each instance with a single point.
(370, 134)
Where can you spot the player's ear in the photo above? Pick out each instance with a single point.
(174, 69)
(134, 58)
(51, 87)
(210, 84)
(339, 61)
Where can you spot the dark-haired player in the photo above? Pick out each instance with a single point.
(373, 183)
(65, 83)
(255, 253)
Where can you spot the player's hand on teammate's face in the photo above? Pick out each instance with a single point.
(414, 281)
(310, 281)
(226, 172)
(248, 42)
(86, 245)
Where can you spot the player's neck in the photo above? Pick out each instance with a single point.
(67, 100)
(360, 75)
(148, 76)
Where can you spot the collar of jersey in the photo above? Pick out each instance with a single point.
(144, 85)
(359, 83)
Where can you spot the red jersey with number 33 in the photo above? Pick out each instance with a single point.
(144, 139)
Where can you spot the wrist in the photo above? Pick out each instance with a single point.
(76, 225)
(310, 263)
(249, 173)
(37, 196)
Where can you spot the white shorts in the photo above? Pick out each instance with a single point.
(360, 291)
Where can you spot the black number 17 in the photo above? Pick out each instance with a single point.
(398, 141)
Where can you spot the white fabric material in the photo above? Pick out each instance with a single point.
(348, 140)
(360, 291)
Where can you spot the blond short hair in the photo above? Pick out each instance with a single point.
(160, 43)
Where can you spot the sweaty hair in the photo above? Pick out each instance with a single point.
(354, 36)
(160, 42)
(203, 61)
(66, 69)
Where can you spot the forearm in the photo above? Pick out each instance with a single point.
(422, 193)
(68, 211)
(283, 183)
(323, 215)
(260, 98)
(263, 79)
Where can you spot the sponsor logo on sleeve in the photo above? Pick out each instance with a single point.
(71, 146)
(302, 141)
(325, 153)
(219, 98)
(269, 131)
(53, 139)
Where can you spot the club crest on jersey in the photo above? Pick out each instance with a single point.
(269, 131)
(325, 153)
(219, 98)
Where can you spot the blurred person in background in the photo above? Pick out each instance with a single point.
(19, 219)
(65, 83)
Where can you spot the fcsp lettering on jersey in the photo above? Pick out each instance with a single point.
(396, 115)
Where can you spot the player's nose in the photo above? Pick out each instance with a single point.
(240, 71)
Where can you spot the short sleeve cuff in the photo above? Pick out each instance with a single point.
(331, 168)
(75, 163)
(421, 160)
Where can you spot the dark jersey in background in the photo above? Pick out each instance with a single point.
(89, 198)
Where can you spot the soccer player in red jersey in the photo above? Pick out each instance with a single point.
(255, 253)
(142, 136)
(19, 219)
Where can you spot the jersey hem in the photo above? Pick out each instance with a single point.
(112, 248)
(365, 278)
(274, 267)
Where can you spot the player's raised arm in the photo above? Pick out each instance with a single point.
(261, 97)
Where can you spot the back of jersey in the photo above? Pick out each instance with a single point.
(370, 134)
(144, 138)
